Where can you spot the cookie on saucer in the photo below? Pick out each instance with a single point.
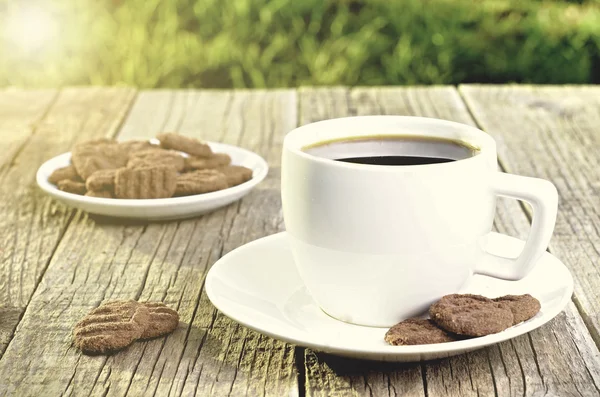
(523, 307)
(471, 315)
(415, 331)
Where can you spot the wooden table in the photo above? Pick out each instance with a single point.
(56, 264)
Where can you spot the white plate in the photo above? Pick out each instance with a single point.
(258, 286)
(159, 209)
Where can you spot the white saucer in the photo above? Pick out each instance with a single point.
(258, 286)
(159, 209)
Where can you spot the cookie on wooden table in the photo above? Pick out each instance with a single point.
(69, 186)
(163, 320)
(111, 327)
(416, 331)
(146, 182)
(472, 315)
(201, 163)
(191, 146)
(200, 181)
(523, 307)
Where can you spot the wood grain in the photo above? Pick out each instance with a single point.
(553, 133)
(35, 126)
(100, 259)
(559, 359)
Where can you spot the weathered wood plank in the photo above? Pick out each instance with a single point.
(99, 260)
(31, 224)
(20, 110)
(558, 359)
(552, 133)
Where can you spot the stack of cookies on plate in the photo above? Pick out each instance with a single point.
(178, 166)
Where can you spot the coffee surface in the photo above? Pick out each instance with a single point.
(395, 150)
(396, 160)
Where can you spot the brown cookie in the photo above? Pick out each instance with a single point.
(201, 181)
(89, 157)
(163, 320)
(100, 193)
(153, 157)
(69, 186)
(236, 174)
(61, 174)
(133, 146)
(145, 183)
(101, 180)
(184, 144)
(110, 327)
(472, 315)
(416, 331)
(201, 163)
(523, 307)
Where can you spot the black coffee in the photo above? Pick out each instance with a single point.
(393, 150)
(396, 160)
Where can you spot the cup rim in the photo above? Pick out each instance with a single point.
(486, 145)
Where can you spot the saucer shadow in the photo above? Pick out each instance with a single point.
(344, 366)
(111, 220)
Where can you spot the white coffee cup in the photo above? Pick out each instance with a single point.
(378, 244)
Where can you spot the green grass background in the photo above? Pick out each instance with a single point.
(283, 43)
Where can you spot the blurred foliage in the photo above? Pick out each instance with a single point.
(279, 43)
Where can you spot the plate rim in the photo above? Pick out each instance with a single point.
(449, 348)
(52, 190)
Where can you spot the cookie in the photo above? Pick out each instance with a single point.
(163, 320)
(416, 331)
(101, 180)
(236, 174)
(214, 161)
(472, 315)
(111, 327)
(201, 181)
(61, 174)
(89, 157)
(152, 157)
(100, 193)
(523, 307)
(69, 186)
(146, 182)
(184, 144)
(133, 146)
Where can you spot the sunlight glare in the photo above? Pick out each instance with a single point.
(31, 28)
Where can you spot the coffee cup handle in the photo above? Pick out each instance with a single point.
(543, 197)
